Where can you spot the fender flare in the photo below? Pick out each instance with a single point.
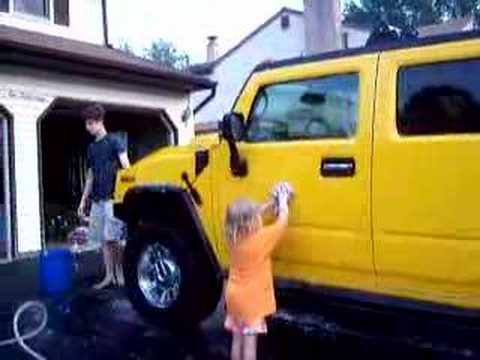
(172, 206)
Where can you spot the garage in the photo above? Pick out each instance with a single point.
(63, 143)
(45, 81)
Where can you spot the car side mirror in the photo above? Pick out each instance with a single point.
(232, 129)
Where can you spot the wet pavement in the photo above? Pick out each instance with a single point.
(103, 325)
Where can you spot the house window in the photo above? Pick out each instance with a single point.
(40, 8)
(285, 22)
(4, 5)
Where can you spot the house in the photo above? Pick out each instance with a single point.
(452, 26)
(54, 60)
(282, 36)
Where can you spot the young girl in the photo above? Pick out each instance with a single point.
(249, 292)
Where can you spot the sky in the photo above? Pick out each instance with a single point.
(187, 23)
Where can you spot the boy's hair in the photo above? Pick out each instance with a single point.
(241, 220)
(93, 112)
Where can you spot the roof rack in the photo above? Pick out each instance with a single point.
(392, 44)
(383, 33)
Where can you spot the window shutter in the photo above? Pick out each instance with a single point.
(61, 12)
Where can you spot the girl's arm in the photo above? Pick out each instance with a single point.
(271, 234)
(268, 207)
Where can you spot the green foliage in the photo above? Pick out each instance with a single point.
(165, 53)
(161, 52)
(401, 13)
(126, 48)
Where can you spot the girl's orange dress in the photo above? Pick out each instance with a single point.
(249, 293)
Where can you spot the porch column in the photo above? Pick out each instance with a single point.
(26, 107)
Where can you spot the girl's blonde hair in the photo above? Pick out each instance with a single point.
(241, 220)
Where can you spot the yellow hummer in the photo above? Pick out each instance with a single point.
(382, 146)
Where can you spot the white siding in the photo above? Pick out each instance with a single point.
(86, 22)
(270, 43)
(356, 38)
(26, 94)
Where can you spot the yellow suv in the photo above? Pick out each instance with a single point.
(382, 145)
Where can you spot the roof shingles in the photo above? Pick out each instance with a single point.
(97, 58)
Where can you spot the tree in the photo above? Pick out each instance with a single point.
(161, 52)
(126, 48)
(403, 13)
(457, 8)
(166, 54)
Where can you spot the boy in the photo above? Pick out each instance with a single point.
(103, 158)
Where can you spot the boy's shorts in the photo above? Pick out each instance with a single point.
(103, 225)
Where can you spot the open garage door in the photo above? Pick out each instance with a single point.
(63, 147)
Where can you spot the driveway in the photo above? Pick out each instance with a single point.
(102, 325)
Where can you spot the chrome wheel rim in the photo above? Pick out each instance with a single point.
(159, 276)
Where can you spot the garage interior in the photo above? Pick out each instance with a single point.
(63, 143)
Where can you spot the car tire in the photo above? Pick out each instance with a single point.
(166, 281)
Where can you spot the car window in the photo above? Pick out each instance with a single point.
(441, 98)
(309, 109)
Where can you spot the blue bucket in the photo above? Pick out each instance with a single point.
(56, 272)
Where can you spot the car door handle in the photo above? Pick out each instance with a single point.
(337, 167)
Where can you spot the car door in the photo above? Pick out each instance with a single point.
(426, 197)
(310, 124)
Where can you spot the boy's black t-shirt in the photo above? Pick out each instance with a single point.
(102, 158)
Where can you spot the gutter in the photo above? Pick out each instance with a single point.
(104, 71)
(105, 24)
(213, 92)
